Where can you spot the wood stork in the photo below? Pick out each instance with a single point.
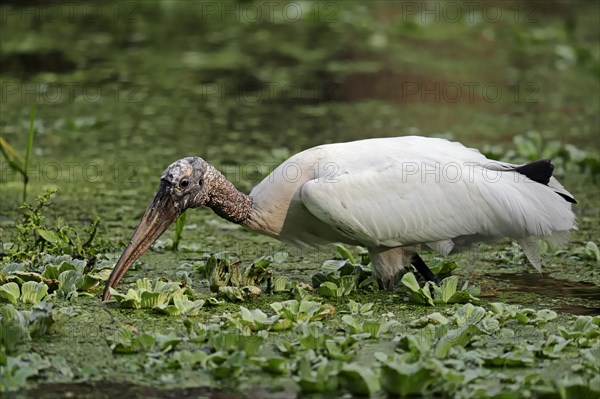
(391, 195)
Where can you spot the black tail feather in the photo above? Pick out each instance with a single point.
(539, 171)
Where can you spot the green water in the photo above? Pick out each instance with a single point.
(121, 90)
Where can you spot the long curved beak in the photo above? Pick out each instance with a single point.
(161, 213)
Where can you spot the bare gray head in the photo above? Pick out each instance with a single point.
(185, 180)
(187, 183)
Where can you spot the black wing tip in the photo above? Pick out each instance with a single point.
(539, 171)
(567, 198)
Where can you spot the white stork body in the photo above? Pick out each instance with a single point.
(392, 194)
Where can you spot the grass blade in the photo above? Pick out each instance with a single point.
(178, 230)
(30, 136)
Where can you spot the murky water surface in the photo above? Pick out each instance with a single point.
(584, 297)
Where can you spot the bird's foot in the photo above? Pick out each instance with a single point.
(423, 270)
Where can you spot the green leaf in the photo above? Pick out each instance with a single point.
(22, 276)
(89, 283)
(13, 328)
(320, 378)
(74, 264)
(407, 379)
(419, 344)
(469, 314)
(40, 319)
(144, 284)
(149, 300)
(432, 318)
(68, 282)
(410, 281)
(509, 359)
(276, 365)
(447, 288)
(14, 159)
(122, 341)
(170, 310)
(359, 380)
(179, 224)
(167, 342)
(420, 295)
(544, 315)
(443, 267)
(373, 328)
(319, 278)
(303, 311)
(187, 307)
(32, 292)
(50, 236)
(280, 284)
(232, 293)
(345, 253)
(254, 319)
(10, 292)
(346, 286)
(592, 250)
(352, 323)
(328, 289)
(458, 337)
(357, 308)
(51, 272)
(332, 265)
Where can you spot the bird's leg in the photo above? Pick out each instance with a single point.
(422, 268)
(388, 263)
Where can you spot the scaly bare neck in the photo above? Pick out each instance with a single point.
(224, 199)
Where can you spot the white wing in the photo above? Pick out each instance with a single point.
(417, 190)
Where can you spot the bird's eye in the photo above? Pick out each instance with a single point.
(184, 183)
(200, 182)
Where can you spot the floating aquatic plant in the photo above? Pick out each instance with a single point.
(340, 272)
(254, 320)
(126, 341)
(148, 294)
(446, 292)
(368, 328)
(404, 379)
(30, 292)
(235, 282)
(17, 326)
(302, 311)
(359, 380)
(321, 376)
(183, 306)
(344, 286)
(360, 309)
(64, 279)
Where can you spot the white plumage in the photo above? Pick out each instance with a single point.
(400, 192)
